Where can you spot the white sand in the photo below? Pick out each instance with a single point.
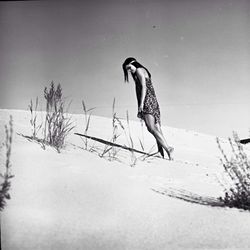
(77, 200)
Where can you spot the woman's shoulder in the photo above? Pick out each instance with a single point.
(142, 72)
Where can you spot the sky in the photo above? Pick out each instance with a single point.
(197, 51)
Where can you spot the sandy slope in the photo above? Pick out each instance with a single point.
(77, 200)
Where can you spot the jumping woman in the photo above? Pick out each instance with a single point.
(148, 107)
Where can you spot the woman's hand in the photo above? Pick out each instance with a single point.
(140, 114)
(140, 109)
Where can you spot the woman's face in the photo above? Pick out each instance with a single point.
(131, 68)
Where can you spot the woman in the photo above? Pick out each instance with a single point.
(148, 107)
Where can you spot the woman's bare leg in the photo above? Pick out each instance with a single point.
(160, 149)
(158, 127)
(157, 133)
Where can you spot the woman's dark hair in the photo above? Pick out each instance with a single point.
(135, 63)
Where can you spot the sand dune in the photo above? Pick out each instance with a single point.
(78, 200)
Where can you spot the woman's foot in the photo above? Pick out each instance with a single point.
(170, 151)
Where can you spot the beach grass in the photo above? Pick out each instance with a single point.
(237, 170)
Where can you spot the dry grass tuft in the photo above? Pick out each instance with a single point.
(57, 125)
(108, 150)
(87, 118)
(5, 185)
(33, 120)
(237, 169)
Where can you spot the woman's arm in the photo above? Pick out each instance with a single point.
(141, 76)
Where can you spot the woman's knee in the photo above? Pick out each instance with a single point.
(158, 127)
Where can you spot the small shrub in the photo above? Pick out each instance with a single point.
(57, 125)
(5, 185)
(237, 169)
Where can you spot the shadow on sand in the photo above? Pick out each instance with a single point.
(190, 197)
